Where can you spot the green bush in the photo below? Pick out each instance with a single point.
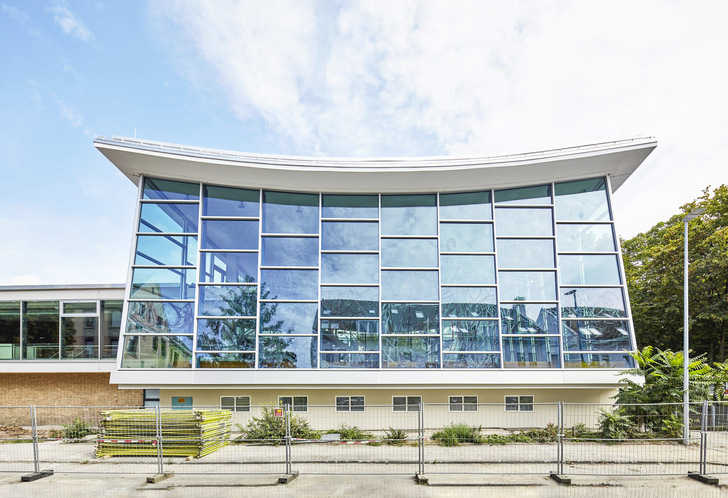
(454, 434)
(351, 433)
(615, 424)
(268, 427)
(548, 434)
(76, 430)
(395, 437)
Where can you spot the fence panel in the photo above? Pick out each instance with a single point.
(715, 453)
(491, 438)
(634, 439)
(16, 438)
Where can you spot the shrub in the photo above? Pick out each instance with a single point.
(268, 427)
(548, 434)
(395, 437)
(615, 424)
(76, 430)
(351, 433)
(454, 434)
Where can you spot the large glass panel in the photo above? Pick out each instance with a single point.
(409, 253)
(162, 283)
(470, 335)
(229, 234)
(80, 337)
(467, 269)
(466, 237)
(166, 250)
(349, 268)
(349, 301)
(477, 360)
(589, 269)
(76, 308)
(111, 326)
(228, 300)
(349, 360)
(409, 285)
(574, 237)
(409, 215)
(410, 352)
(469, 302)
(40, 330)
(169, 218)
(229, 267)
(524, 318)
(530, 222)
(155, 188)
(593, 302)
(405, 318)
(288, 318)
(350, 206)
(526, 253)
(289, 284)
(540, 194)
(163, 351)
(465, 206)
(530, 352)
(290, 251)
(226, 334)
(286, 212)
(598, 360)
(10, 330)
(596, 335)
(226, 201)
(527, 285)
(287, 352)
(349, 236)
(349, 335)
(225, 360)
(160, 318)
(583, 200)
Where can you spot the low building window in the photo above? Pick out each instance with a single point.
(406, 403)
(297, 403)
(151, 397)
(519, 403)
(235, 403)
(463, 403)
(350, 403)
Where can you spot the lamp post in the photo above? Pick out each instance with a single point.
(695, 213)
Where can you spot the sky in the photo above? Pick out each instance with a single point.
(331, 78)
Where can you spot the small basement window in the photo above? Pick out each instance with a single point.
(463, 403)
(350, 403)
(235, 403)
(519, 403)
(406, 403)
(297, 403)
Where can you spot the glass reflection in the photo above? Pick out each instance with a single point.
(527, 285)
(40, 330)
(467, 269)
(409, 215)
(349, 360)
(591, 269)
(287, 352)
(526, 253)
(410, 352)
(290, 284)
(598, 360)
(226, 201)
(166, 250)
(409, 253)
(349, 236)
(524, 318)
(228, 300)
(406, 318)
(585, 238)
(226, 334)
(470, 335)
(349, 335)
(534, 222)
(596, 335)
(467, 302)
(79, 337)
(155, 188)
(466, 237)
(530, 352)
(225, 360)
(412, 285)
(288, 318)
(160, 318)
(540, 194)
(461, 360)
(583, 200)
(229, 234)
(10, 330)
(229, 267)
(111, 312)
(350, 268)
(168, 218)
(290, 251)
(350, 301)
(164, 351)
(162, 283)
(286, 212)
(465, 206)
(79, 307)
(593, 302)
(350, 206)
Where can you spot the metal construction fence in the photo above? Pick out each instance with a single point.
(450, 438)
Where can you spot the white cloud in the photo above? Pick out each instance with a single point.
(15, 14)
(70, 23)
(70, 114)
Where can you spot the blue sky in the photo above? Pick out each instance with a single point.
(373, 78)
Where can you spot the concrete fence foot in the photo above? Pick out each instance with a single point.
(36, 475)
(704, 478)
(422, 479)
(286, 478)
(560, 478)
(159, 477)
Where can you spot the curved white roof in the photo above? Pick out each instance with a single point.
(135, 157)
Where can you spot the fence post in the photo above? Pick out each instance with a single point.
(289, 466)
(34, 429)
(704, 439)
(160, 452)
(421, 439)
(561, 434)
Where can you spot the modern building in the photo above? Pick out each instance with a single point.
(330, 281)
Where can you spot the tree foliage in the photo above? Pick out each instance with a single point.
(653, 263)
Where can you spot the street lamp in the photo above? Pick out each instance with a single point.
(695, 213)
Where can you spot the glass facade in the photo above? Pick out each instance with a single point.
(236, 278)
